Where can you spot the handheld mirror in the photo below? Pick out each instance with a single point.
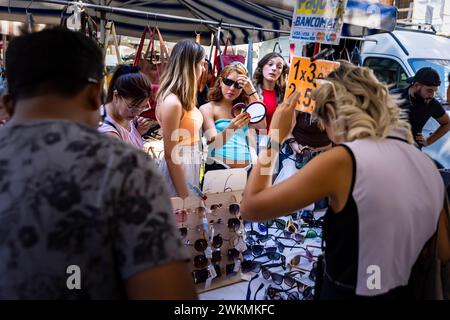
(257, 111)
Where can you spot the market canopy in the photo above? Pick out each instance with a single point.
(246, 16)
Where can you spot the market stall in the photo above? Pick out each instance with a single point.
(278, 258)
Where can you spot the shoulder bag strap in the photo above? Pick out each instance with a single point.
(138, 57)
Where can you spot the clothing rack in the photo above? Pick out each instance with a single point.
(148, 14)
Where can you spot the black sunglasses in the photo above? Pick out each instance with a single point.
(273, 293)
(200, 245)
(229, 83)
(281, 246)
(202, 274)
(258, 249)
(255, 265)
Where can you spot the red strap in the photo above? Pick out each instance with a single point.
(215, 67)
(137, 59)
(291, 51)
(316, 48)
(151, 45)
(233, 51)
(162, 45)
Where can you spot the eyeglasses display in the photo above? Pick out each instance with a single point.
(224, 248)
(211, 230)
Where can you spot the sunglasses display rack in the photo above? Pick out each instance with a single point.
(212, 230)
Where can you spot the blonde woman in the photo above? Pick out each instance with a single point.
(385, 195)
(180, 120)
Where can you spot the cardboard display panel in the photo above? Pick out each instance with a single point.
(213, 232)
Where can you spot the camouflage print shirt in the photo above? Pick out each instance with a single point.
(70, 196)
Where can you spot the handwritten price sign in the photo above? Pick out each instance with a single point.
(301, 78)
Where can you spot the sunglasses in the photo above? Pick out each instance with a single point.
(281, 246)
(306, 292)
(304, 157)
(214, 208)
(257, 250)
(264, 226)
(200, 245)
(308, 218)
(277, 278)
(183, 231)
(203, 274)
(291, 281)
(201, 211)
(294, 236)
(229, 269)
(273, 293)
(287, 278)
(234, 224)
(233, 208)
(229, 83)
(310, 256)
(312, 273)
(233, 254)
(255, 265)
(200, 261)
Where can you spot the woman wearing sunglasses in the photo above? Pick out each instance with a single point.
(128, 95)
(180, 120)
(228, 137)
(374, 175)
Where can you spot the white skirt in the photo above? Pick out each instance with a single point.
(190, 160)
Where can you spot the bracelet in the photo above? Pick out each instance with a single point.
(251, 93)
(290, 140)
(270, 143)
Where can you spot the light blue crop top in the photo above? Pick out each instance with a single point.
(236, 147)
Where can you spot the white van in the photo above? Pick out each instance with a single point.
(396, 56)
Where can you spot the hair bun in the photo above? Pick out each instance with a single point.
(129, 69)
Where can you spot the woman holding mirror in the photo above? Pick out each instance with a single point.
(228, 136)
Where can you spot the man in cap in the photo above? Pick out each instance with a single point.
(419, 101)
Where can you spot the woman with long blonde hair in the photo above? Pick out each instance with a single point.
(385, 195)
(180, 120)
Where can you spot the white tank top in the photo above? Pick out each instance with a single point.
(399, 194)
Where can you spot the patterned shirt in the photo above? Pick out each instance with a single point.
(132, 137)
(70, 196)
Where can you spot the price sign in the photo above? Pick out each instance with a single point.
(301, 78)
